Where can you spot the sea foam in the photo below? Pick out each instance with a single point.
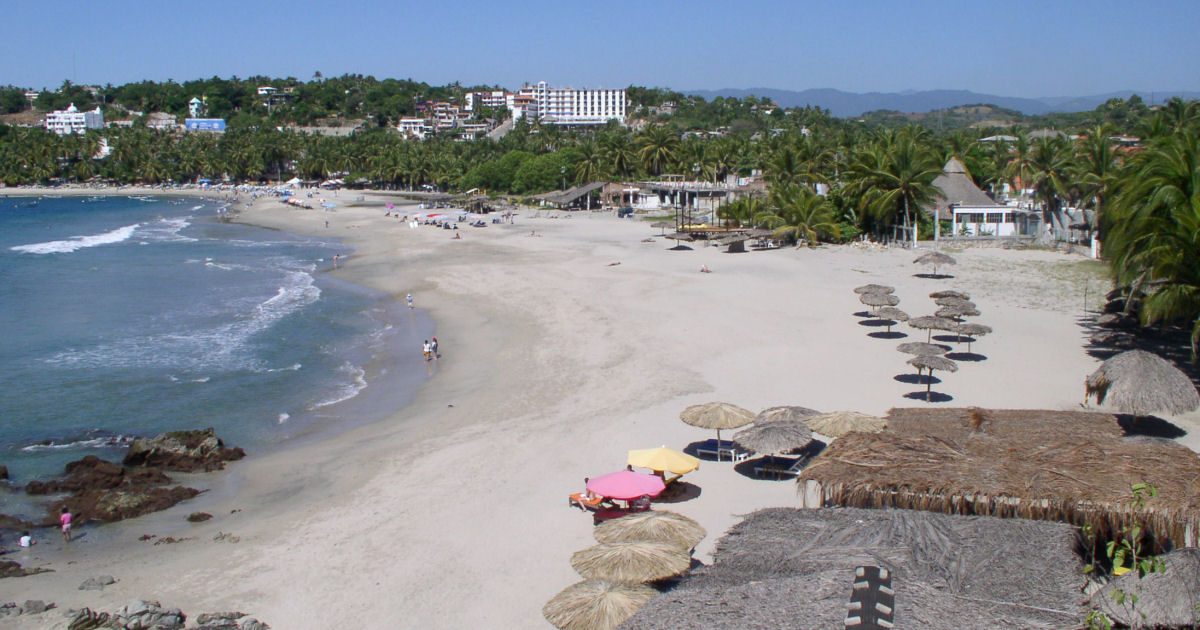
(78, 242)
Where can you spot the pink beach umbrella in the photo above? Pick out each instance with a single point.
(626, 485)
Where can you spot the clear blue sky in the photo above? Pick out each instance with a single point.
(1054, 48)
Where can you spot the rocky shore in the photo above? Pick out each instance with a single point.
(137, 615)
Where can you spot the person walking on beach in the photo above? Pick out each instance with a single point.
(426, 349)
(408, 298)
(433, 348)
(65, 519)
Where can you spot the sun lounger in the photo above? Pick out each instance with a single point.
(780, 467)
(581, 500)
(723, 450)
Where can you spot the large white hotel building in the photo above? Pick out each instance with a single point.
(558, 106)
(71, 120)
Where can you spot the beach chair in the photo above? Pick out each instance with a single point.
(581, 500)
(780, 467)
(723, 450)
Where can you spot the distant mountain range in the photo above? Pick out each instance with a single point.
(850, 104)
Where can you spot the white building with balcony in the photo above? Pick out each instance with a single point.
(71, 120)
(569, 106)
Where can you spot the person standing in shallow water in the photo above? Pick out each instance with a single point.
(65, 520)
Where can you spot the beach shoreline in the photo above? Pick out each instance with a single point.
(452, 512)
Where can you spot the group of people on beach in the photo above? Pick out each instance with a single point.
(64, 519)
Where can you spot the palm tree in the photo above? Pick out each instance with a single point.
(658, 148)
(590, 164)
(1096, 168)
(800, 216)
(1050, 166)
(619, 153)
(894, 178)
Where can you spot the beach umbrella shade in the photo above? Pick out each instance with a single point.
(784, 413)
(953, 312)
(626, 485)
(631, 561)
(935, 259)
(839, 423)
(656, 526)
(1141, 383)
(931, 323)
(954, 301)
(596, 604)
(717, 415)
(949, 293)
(932, 363)
(891, 313)
(874, 288)
(664, 459)
(922, 348)
(878, 299)
(972, 331)
(768, 438)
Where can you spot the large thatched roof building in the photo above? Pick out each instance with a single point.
(1055, 465)
(785, 568)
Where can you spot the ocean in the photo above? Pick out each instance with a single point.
(128, 317)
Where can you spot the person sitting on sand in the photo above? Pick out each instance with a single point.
(705, 269)
(27, 540)
(457, 237)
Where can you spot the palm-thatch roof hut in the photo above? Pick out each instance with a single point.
(1164, 599)
(631, 561)
(1141, 383)
(784, 568)
(1055, 465)
(651, 526)
(838, 423)
(595, 604)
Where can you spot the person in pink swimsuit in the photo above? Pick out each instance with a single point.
(65, 519)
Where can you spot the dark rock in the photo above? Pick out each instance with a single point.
(35, 606)
(97, 583)
(4, 473)
(225, 537)
(204, 618)
(183, 451)
(170, 540)
(10, 609)
(253, 624)
(93, 473)
(15, 524)
(12, 569)
(198, 517)
(140, 615)
(107, 506)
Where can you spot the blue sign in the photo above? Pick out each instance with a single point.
(204, 124)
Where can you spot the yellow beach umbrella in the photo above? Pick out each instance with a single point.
(665, 459)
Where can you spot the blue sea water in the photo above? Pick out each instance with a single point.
(123, 318)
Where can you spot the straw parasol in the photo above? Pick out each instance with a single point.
(891, 312)
(717, 415)
(956, 311)
(839, 423)
(1142, 383)
(653, 526)
(663, 459)
(931, 323)
(949, 293)
(769, 438)
(878, 299)
(932, 363)
(596, 605)
(952, 300)
(631, 561)
(935, 259)
(972, 331)
(772, 414)
(922, 348)
(663, 225)
(874, 288)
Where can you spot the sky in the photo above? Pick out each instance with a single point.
(1016, 48)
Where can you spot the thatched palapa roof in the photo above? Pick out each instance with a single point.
(1140, 382)
(1053, 465)
(1165, 599)
(957, 189)
(784, 568)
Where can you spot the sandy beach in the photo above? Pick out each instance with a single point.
(556, 361)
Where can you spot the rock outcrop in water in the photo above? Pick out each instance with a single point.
(93, 473)
(183, 451)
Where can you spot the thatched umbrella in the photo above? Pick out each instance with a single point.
(768, 438)
(972, 331)
(931, 323)
(1142, 383)
(717, 415)
(596, 605)
(891, 314)
(876, 300)
(786, 412)
(839, 423)
(652, 526)
(663, 225)
(957, 311)
(932, 363)
(952, 300)
(935, 259)
(631, 561)
(874, 288)
(922, 348)
(949, 293)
